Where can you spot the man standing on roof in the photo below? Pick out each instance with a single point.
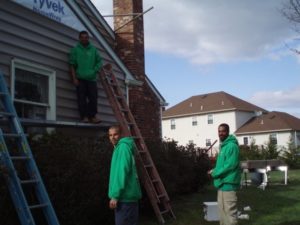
(85, 62)
(124, 187)
(227, 176)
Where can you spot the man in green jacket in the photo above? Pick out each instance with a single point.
(85, 63)
(124, 189)
(227, 176)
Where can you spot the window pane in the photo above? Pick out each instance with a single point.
(194, 121)
(273, 138)
(173, 124)
(245, 140)
(30, 111)
(210, 119)
(31, 86)
(208, 142)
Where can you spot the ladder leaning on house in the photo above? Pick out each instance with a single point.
(150, 178)
(24, 182)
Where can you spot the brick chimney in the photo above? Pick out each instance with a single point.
(143, 103)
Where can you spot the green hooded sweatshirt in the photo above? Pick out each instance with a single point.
(86, 61)
(227, 173)
(124, 185)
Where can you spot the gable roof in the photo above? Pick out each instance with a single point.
(208, 103)
(272, 121)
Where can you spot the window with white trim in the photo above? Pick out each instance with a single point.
(33, 90)
(246, 140)
(210, 119)
(273, 138)
(208, 142)
(173, 126)
(194, 121)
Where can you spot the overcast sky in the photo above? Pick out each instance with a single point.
(238, 46)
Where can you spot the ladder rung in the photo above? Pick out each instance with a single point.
(142, 151)
(124, 110)
(148, 166)
(38, 206)
(161, 195)
(155, 180)
(6, 114)
(12, 135)
(33, 181)
(165, 211)
(20, 157)
(3, 93)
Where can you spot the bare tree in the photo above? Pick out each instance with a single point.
(291, 11)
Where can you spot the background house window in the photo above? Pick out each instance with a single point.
(33, 90)
(173, 126)
(210, 119)
(273, 138)
(208, 142)
(246, 141)
(194, 121)
(298, 137)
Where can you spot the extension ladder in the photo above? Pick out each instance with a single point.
(150, 178)
(24, 181)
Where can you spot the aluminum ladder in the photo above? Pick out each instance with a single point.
(24, 182)
(151, 180)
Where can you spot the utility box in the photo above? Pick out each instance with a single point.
(211, 211)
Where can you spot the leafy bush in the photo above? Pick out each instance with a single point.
(270, 151)
(251, 152)
(183, 169)
(76, 171)
(291, 155)
(254, 152)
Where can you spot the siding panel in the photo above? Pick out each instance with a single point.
(32, 37)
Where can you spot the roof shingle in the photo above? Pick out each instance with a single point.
(272, 121)
(212, 102)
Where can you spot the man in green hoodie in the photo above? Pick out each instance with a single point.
(227, 176)
(85, 62)
(124, 189)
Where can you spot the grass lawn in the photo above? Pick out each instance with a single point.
(276, 205)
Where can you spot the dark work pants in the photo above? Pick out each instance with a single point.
(127, 213)
(87, 98)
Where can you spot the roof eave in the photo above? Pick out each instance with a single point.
(264, 131)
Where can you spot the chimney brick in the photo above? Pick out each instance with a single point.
(143, 103)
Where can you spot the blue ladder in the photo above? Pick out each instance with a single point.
(24, 182)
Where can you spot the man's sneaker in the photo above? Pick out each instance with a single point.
(95, 120)
(85, 120)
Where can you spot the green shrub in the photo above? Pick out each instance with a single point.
(76, 170)
(183, 169)
(291, 155)
(251, 152)
(254, 152)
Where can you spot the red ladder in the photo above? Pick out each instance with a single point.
(152, 183)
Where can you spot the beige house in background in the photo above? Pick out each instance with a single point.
(278, 126)
(196, 119)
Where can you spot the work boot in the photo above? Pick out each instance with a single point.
(95, 120)
(85, 120)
